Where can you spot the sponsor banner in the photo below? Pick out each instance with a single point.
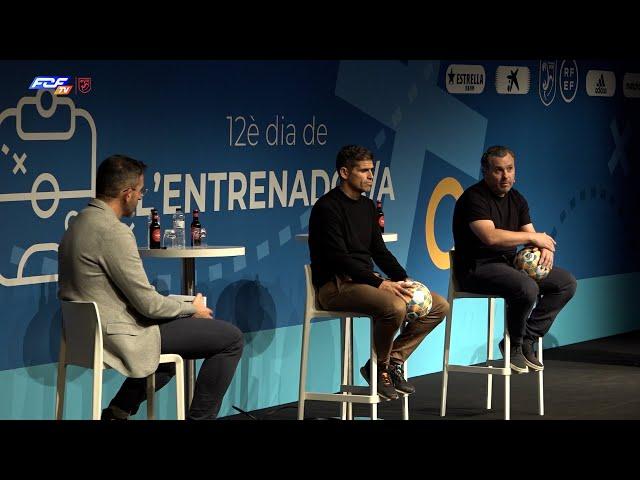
(631, 85)
(513, 80)
(600, 83)
(465, 79)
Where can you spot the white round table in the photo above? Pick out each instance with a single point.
(188, 256)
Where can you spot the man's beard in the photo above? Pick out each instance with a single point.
(128, 211)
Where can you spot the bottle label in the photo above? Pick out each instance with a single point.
(195, 233)
(381, 221)
(178, 224)
(155, 235)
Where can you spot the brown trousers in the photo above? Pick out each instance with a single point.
(388, 312)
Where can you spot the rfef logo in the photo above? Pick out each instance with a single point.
(48, 83)
(568, 82)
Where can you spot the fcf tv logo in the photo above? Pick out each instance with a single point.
(59, 85)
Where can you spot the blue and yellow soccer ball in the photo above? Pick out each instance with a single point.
(420, 302)
(527, 262)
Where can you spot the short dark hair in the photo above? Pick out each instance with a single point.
(492, 152)
(349, 155)
(116, 173)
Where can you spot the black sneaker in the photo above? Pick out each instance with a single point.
(385, 385)
(110, 414)
(530, 357)
(396, 370)
(516, 358)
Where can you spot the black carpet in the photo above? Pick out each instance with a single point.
(594, 380)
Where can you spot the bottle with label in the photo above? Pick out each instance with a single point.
(149, 220)
(178, 226)
(195, 228)
(154, 229)
(380, 214)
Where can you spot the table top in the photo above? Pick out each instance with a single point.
(192, 252)
(387, 237)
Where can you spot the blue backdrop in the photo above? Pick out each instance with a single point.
(252, 144)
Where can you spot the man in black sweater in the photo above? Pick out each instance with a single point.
(344, 240)
(490, 220)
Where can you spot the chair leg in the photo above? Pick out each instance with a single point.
(491, 316)
(304, 357)
(350, 368)
(445, 359)
(151, 396)
(97, 394)
(61, 380)
(507, 405)
(374, 376)
(540, 381)
(180, 404)
(345, 326)
(60, 387)
(405, 399)
(507, 365)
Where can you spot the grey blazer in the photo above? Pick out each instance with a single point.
(98, 261)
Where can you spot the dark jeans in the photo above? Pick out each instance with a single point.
(218, 342)
(521, 294)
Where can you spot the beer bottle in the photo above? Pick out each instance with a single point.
(154, 229)
(380, 215)
(195, 228)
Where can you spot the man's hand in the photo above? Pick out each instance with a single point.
(546, 258)
(201, 310)
(401, 289)
(542, 241)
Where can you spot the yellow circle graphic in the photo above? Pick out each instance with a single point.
(446, 186)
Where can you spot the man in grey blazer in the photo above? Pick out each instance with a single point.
(99, 261)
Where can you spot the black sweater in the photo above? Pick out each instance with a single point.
(344, 238)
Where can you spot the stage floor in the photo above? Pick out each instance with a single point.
(594, 380)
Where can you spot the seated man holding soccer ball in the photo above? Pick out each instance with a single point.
(344, 241)
(490, 220)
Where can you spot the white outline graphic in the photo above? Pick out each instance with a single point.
(575, 91)
(549, 82)
(56, 195)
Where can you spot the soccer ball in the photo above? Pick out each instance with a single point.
(527, 262)
(420, 303)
